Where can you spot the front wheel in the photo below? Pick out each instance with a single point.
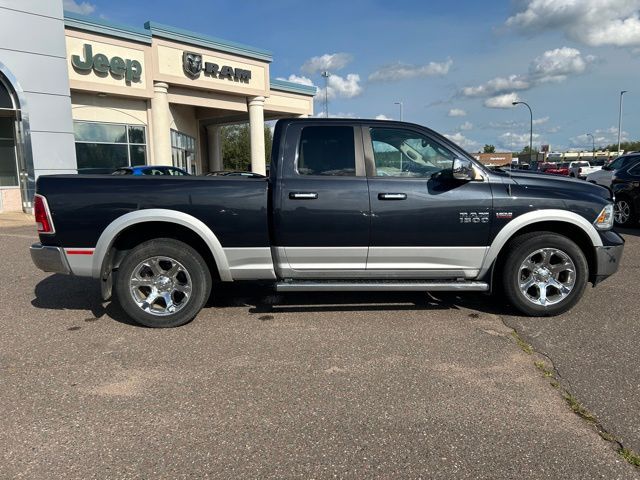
(163, 283)
(623, 213)
(544, 274)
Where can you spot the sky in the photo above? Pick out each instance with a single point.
(455, 65)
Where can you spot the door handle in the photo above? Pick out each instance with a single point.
(303, 195)
(392, 196)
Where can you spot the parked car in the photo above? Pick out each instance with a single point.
(625, 184)
(227, 173)
(350, 205)
(581, 169)
(150, 170)
(604, 176)
(559, 169)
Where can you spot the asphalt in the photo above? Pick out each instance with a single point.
(304, 386)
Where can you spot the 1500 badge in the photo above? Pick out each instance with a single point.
(474, 217)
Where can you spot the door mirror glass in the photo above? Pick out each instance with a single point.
(463, 169)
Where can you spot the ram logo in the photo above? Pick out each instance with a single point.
(474, 217)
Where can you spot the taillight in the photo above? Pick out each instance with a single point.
(580, 170)
(42, 214)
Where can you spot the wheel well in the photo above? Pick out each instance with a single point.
(136, 234)
(573, 232)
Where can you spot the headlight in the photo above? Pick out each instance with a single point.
(605, 219)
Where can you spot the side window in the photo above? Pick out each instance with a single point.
(327, 151)
(635, 170)
(616, 164)
(404, 153)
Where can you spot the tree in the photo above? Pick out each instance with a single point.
(236, 146)
(489, 149)
(632, 146)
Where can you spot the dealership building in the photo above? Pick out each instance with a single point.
(82, 94)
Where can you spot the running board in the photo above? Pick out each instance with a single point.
(380, 286)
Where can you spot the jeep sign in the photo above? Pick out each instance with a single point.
(131, 70)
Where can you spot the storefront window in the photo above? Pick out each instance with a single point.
(104, 147)
(8, 165)
(183, 152)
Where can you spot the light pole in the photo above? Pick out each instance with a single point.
(530, 130)
(593, 146)
(620, 118)
(399, 103)
(326, 76)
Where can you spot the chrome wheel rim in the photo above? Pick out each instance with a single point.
(621, 211)
(547, 276)
(160, 286)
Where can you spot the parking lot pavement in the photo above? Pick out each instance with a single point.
(352, 386)
(595, 346)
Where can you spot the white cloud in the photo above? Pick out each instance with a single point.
(302, 80)
(592, 22)
(383, 117)
(540, 121)
(602, 137)
(329, 61)
(497, 86)
(457, 112)
(517, 140)
(338, 115)
(466, 126)
(502, 101)
(341, 87)
(459, 139)
(555, 65)
(83, 8)
(402, 71)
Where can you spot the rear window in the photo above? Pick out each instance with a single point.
(327, 150)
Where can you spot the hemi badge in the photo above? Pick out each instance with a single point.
(506, 215)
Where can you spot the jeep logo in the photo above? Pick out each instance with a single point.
(131, 70)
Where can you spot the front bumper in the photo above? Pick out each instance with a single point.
(49, 259)
(607, 261)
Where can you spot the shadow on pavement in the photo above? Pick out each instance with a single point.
(629, 231)
(63, 292)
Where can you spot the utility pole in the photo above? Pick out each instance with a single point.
(401, 104)
(326, 76)
(620, 118)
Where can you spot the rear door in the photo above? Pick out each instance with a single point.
(321, 214)
(424, 223)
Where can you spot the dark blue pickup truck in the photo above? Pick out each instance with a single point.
(349, 205)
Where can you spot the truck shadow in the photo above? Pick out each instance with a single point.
(63, 292)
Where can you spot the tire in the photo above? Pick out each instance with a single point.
(172, 274)
(623, 212)
(547, 260)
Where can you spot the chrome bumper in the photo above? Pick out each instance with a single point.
(49, 259)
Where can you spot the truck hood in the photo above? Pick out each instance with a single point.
(558, 182)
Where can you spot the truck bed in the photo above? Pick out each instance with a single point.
(83, 205)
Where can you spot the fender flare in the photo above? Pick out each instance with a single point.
(531, 218)
(108, 236)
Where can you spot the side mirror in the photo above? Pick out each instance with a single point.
(463, 169)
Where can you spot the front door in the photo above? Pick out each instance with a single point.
(322, 210)
(424, 223)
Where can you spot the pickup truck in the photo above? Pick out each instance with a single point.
(581, 169)
(558, 169)
(349, 205)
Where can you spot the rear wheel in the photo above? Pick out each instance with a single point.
(623, 212)
(163, 283)
(544, 274)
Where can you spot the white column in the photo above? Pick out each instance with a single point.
(214, 144)
(161, 125)
(256, 131)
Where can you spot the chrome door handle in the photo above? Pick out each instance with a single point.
(392, 196)
(303, 195)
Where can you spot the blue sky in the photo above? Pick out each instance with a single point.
(451, 63)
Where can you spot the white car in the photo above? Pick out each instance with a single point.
(581, 169)
(604, 176)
